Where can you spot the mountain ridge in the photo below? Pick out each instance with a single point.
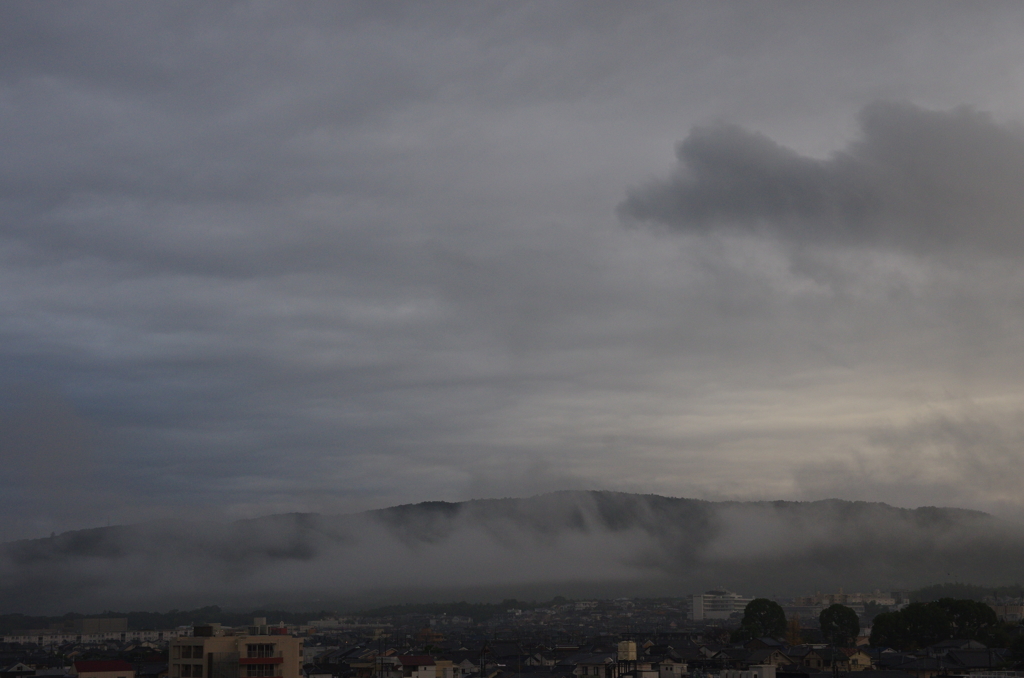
(593, 540)
(431, 504)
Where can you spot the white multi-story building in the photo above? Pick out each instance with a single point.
(720, 604)
(59, 637)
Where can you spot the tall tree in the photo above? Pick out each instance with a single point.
(889, 629)
(927, 624)
(763, 617)
(839, 624)
(968, 618)
(922, 624)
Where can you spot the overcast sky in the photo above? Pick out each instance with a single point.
(269, 257)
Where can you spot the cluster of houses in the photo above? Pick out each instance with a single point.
(602, 639)
(88, 631)
(685, 657)
(948, 658)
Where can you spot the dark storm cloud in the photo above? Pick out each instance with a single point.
(916, 179)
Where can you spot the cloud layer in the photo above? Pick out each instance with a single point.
(916, 179)
(267, 258)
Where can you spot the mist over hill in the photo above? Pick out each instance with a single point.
(568, 543)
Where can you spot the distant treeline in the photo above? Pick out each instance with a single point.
(936, 592)
(162, 620)
(476, 611)
(919, 625)
(174, 618)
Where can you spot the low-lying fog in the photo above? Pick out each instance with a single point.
(582, 543)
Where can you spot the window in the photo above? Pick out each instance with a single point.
(197, 651)
(255, 651)
(197, 671)
(260, 670)
(186, 671)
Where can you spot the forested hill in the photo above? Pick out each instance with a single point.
(577, 544)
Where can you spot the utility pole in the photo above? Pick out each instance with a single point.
(380, 656)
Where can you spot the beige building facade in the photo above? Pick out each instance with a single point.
(212, 652)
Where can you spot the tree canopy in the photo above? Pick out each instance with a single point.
(968, 618)
(764, 617)
(921, 624)
(840, 625)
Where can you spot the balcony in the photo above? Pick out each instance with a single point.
(261, 660)
(262, 656)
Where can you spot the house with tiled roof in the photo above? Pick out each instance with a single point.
(857, 659)
(805, 656)
(766, 656)
(417, 666)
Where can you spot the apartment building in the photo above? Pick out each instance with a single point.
(214, 652)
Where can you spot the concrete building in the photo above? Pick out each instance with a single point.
(719, 604)
(418, 666)
(214, 652)
(61, 635)
(1009, 613)
(670, 668)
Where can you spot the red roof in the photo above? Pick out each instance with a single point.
(102, 666)
(416, 660)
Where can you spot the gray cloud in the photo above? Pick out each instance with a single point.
(971, 456)
(916, 179)
(331, 258)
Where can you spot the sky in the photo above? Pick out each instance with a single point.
(271, 257)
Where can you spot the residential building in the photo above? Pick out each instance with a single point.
(418, 666)
(213, 652)
(859, 660)
(62, 635)
(671, 668)
(805, 656)
(1009, 613)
